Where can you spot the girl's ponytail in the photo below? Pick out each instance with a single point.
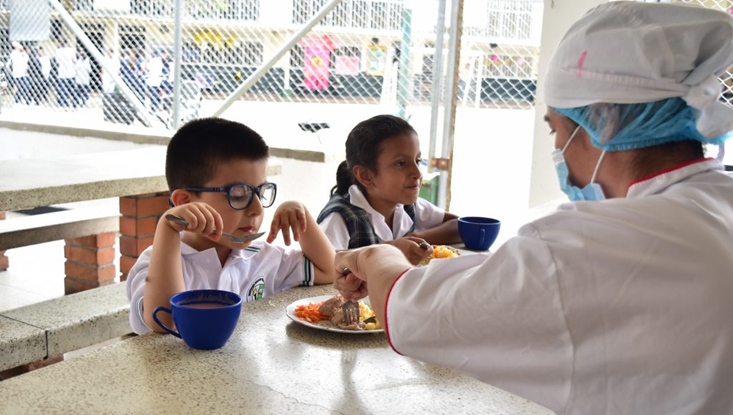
(344, 179)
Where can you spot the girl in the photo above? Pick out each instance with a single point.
(376, 200)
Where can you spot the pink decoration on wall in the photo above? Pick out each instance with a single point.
(346, 65)
(315, 70)
(494, 58)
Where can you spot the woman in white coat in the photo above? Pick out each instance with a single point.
(621, 301)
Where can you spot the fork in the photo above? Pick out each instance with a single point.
(236, 239)
(351, 312)
(350, 308)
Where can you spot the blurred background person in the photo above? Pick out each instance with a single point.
(18, 64)
(82, 79)
(66, 72)
(45, 62)
(154, 79)
(113, 63)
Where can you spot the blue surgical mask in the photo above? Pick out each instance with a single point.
(592, 191)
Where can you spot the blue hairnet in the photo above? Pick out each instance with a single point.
(616, 127)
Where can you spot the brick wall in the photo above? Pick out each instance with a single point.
(140, 215)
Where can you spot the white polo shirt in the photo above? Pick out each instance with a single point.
(257, 271)
(427, 216)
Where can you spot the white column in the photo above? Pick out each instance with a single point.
(558, 16)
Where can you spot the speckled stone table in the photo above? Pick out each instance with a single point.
(270, 365)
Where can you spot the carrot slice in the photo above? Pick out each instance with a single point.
(310, 313)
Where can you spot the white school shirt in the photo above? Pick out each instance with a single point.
(83, 72)
(108, 83)
(19, 62)
(257, 271)
(615, 307)
(65, 58)
(155, 72)
(427, 216)
(45, 66)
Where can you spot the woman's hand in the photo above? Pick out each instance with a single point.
(369, 271)
(415, 249)
(289, 216)
(348, 280)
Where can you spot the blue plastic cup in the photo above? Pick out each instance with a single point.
(478, 233)
(205, 319)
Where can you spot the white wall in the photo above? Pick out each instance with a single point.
(559, 15)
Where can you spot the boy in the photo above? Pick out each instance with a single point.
(216, 172)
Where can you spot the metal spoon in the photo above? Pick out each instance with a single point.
(236, 239)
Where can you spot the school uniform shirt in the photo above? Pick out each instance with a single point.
(257, 271)
(19, 64)
(108, 83)
(65, 58)
(427, 216)
(83, 72)
(615, 307)
(45, 66)
(155, 72)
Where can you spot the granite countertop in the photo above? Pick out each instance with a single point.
(270, 365)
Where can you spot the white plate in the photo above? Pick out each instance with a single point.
(323, 325)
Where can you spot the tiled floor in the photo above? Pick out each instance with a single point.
(35, 274)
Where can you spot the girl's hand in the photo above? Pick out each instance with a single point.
(288, 216)
(202, 219)
(415, 249)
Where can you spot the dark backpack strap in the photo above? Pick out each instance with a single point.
(358, 222)
(410, 210)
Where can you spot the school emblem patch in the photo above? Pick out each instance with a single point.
(257, 290)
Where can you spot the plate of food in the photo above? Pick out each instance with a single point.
(441, 251)
(324, 313)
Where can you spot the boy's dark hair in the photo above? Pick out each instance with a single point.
(198, 147)
(364, 145)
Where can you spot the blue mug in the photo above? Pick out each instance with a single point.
(478, 233)
(205, 319)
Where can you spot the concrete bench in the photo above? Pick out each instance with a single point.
(61, 325)
(17, 232)
(20, 343)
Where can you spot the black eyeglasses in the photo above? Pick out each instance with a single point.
(240, 195)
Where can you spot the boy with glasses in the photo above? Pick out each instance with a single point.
(216, 172)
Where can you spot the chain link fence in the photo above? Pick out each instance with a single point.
(352, 56)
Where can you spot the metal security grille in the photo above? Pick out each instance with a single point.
(352, 56)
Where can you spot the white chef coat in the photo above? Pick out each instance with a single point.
(427, 216)
(615, 307)
(257, 271)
